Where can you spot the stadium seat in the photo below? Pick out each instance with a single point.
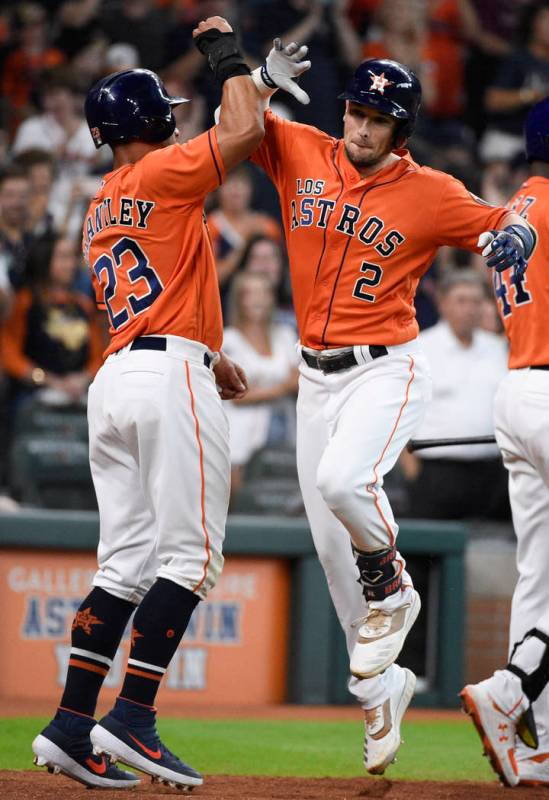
(272, 462)
(269, 496)
(39, 418)
(52, 473)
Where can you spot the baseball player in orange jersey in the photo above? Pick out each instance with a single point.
(511, 708)
(363, 222)
(158, 434)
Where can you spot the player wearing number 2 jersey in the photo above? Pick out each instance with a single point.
(158, 434)
(516, 699)
(363, 223)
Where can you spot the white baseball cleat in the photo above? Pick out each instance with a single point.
(381, 637)
(382, 724)
(534, 770)
(496, 727)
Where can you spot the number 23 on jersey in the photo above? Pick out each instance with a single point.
(127, 255)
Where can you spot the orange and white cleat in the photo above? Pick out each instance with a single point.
(496, 720)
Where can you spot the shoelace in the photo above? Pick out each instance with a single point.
(374, 616)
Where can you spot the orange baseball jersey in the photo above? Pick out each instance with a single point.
(147, 245)
(523, 301)
(358, 247)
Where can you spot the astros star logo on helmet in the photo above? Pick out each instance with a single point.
(379, 82)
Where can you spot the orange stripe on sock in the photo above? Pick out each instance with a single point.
(202, 482)
(73, 662)
(369, 487)
(142, 674)
(78, 713)
(143, 705)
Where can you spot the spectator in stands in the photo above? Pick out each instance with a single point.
(522, 80)
(185, 70)
(52, 338)
(6, 298)
(500, 20)
(14, 219)
(490, 319)
(62, 130)
(24, 66)
(142, 24)
(467, 364)
(267, 353)
(39, 166)
(400, 33)
(234, 222)
(326, 29)
(120, 57)
(78, 25)
(266, 256)
(431, 37)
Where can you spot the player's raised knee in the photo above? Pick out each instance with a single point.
(336, 485)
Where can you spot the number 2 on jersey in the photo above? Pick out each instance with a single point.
(372, 277)
(108, 265)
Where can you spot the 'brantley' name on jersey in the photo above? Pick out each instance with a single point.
(131, 212)
(309, 209)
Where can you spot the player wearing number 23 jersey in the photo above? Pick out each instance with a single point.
(363, 222)
(146, 241)
(159, 438)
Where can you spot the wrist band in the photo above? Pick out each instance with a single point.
(224, 57)
(266, 78)
(526, 236)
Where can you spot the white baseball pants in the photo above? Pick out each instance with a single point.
(160, 464)
(522, 433)
(351, 428)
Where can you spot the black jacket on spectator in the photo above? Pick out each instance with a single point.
(522, 70)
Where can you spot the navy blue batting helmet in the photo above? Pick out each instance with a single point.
(389, 87)
(536, 132)
(130, 105)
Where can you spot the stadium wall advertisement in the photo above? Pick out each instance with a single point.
(243, 623)
(269, 624)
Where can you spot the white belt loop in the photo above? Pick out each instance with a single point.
(362, 354)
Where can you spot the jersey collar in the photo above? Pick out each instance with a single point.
(390, 173)
(534, 179)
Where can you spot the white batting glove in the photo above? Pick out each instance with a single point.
(283, 65)
(485, 241)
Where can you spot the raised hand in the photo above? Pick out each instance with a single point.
(283, 65)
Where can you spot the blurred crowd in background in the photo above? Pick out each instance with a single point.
(482, 64)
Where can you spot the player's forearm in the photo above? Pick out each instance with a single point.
(503, 100)
(241, 127)
(227, 265)
(511, 219)
(349, 44)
